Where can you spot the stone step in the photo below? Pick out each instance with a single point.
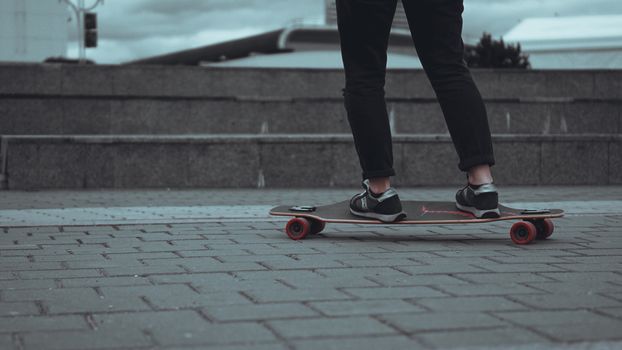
(214, 161)
(44, 115)
(184, 81)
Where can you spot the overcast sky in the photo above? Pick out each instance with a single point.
(131, 29)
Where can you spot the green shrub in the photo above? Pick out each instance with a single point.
(490, 53)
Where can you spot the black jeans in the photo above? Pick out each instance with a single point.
(436, 29)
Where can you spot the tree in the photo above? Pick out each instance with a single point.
(490, 53)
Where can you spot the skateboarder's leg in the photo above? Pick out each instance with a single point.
(364, 28)
(436, 27)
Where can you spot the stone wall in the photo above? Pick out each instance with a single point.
(66, 126)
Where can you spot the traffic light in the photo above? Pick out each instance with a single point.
(90, 29)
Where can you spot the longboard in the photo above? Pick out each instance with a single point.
(533, 224)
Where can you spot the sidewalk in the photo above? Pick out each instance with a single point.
(208, 268)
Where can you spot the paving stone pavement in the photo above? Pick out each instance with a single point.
(240, 283)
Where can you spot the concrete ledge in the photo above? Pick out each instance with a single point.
(178, 81)
(316, 116)
(271, 138)
(181, 161)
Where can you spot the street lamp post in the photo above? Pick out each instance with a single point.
(79, 9)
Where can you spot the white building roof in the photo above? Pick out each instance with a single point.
(568, 33)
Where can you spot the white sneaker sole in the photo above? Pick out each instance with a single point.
(388, 218)
(480, 213)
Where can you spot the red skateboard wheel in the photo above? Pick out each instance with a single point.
(297, 228)
(317, 226)
(523, 232)
(548, 228)
(544, 227)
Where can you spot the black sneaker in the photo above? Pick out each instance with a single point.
(385, 207)
(481, 200)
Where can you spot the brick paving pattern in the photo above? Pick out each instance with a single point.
(245, 285)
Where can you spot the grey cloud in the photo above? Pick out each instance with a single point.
(191, 6)
(145, 19)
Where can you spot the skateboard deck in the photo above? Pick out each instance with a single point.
(533, 224)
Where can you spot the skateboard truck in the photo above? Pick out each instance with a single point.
(303, 208)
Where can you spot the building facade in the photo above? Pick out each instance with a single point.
(577, 42)
(399, 21)
(33, 30)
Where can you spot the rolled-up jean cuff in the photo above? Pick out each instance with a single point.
(378, 173)
(468, 163)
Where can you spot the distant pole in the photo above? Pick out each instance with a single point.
(79, 9)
